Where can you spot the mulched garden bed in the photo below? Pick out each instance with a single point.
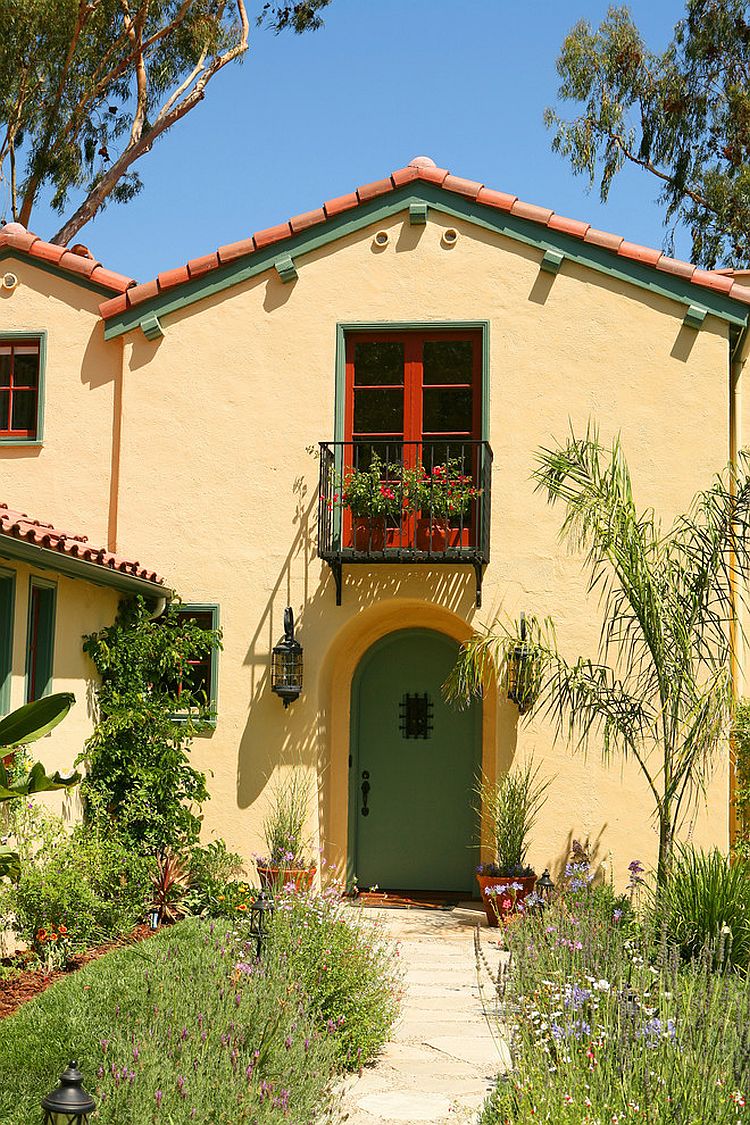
(16, 990)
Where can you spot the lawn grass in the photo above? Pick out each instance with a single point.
(185, 1027)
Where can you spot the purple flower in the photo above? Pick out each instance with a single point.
(158, 1095)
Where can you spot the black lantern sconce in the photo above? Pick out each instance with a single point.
(261, 913)
(523, 672)
(286, 663)
(545, 888)
(69, 1104)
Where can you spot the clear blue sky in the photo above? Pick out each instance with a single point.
(303, 119)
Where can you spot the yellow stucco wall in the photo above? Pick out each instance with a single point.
(64, 480)
(219, 493)
(81, 608)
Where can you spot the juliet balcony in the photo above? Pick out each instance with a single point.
(407, 503)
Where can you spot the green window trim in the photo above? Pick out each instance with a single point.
(41, 337)
(344, 328)
(40, 637)
(187, 608)
(7, 620)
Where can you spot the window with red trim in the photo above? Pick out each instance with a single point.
(19, 388)
(201, 675)
(414, 387)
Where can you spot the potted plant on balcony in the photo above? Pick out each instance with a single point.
(510, 806)
(374, 496)
(287, 858)
(441, 495)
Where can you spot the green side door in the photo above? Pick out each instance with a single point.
(414, 761)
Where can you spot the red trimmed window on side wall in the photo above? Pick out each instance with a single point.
(19, 388)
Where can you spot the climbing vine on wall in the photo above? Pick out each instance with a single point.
(139, 779)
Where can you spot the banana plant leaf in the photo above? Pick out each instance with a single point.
(35, 781)
(34, 720)
(10, 863)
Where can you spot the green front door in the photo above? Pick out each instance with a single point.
(414, 760)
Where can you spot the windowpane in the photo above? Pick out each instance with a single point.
(378, 363)
(25, 368)
(447, 361)
(4, 410)
(24, 411)
(379, 411)
(4, 365)
(447, 411)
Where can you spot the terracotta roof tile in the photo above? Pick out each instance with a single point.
(499, 199)
(16, 237)
(371, 191)
(422, 168)
(20, 526)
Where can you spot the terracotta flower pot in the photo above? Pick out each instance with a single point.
(432, 535)
(273, 878)
(368, 533)
(502, 903)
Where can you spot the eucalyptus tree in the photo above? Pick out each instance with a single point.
(87, 87)
(659, 690)
(681, 114)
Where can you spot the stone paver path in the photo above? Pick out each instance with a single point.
(444, 1056)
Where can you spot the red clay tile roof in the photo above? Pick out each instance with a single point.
(423, 168)
(76, 260)
(20, 526)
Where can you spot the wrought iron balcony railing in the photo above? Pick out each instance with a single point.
(413, 502)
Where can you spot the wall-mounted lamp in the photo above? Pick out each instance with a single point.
(523, 672)
(286, 663)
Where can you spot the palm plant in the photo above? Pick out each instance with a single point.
(660, 691)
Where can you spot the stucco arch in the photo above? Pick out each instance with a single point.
(337, 672)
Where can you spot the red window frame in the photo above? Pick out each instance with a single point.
(413, 342)
(6, 418)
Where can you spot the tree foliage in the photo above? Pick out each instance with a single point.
(88, 86)
(682, 115)
(139, 778)
(660, 689)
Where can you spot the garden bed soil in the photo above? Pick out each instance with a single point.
(24, 985)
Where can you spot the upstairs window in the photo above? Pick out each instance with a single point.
(201, 675)
(20, 401)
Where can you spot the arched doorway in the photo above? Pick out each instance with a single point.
(414, 761)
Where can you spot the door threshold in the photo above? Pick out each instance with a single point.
(411, 900)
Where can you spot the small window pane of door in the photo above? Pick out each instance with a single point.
(448, 361)
(379, 363)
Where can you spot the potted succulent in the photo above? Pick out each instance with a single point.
(375, 497)
(287, 853)
(511, 806)
(442, 495)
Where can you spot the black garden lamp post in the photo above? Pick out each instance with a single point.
(261, 913)
(545, 888)
(286, 663)
(69, 1104)
(523, 672)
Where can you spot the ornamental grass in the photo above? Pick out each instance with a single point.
(607, 1024)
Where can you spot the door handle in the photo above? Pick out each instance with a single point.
(365, 791)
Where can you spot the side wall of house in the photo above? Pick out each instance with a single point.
(80, 608)
(219, 493)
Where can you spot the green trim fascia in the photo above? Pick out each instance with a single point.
(447, 203)
(46, 637)
(50, 267)
(695, 316)
(45, 559)
(7, 622)
(41, 336)
(342, 328)
(214, 609)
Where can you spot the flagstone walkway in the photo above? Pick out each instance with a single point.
(444, 1056)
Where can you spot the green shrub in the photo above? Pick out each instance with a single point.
(214, 870)
(183, 1029)
(706, 907)
(92, 884)
(346, 967)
